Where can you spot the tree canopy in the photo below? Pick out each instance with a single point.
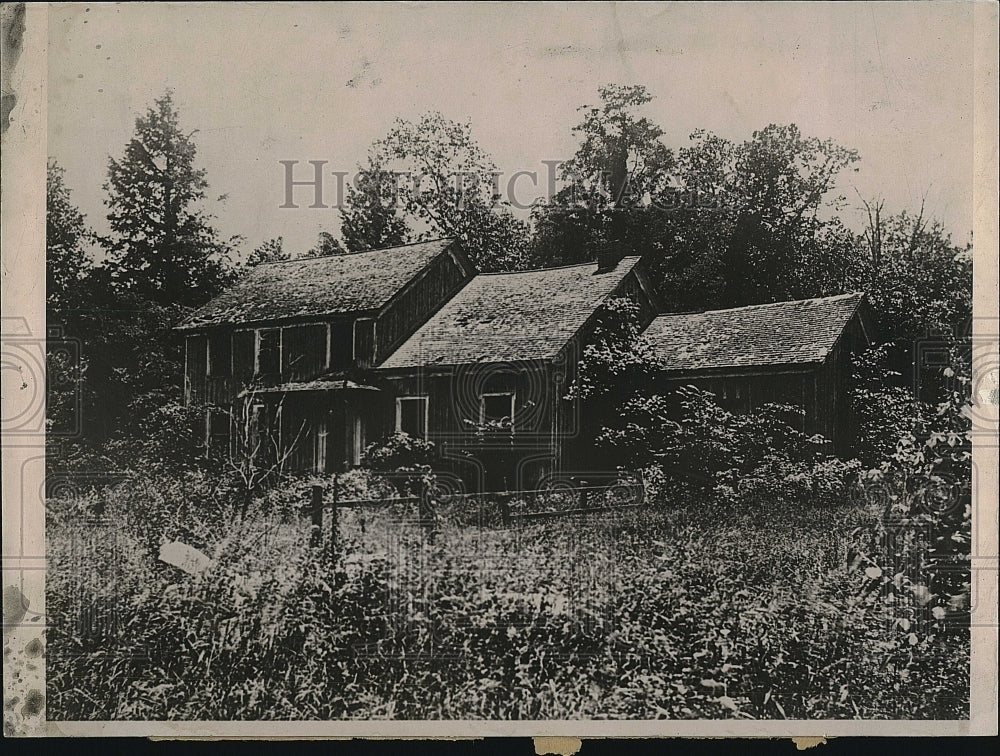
(66, 237)
(162, 244)
(447, 189)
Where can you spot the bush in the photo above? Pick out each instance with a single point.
(171, 440)
(756, 459)
(400, 452)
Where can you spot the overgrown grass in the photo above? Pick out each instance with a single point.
(702, 611)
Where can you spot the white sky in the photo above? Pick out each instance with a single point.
(264, 83)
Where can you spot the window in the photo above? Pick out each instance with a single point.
(218, 430)
(411, 416)
(269, 352)
(357, 440)
(320, 456)
(220, 354)
(340, 350)
(497, 410)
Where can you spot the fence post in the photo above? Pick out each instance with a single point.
(425, 507)
(333, 521)
(316, 535)
(505, 512)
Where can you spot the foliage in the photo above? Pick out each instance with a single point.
(400, 452)
(728, 613)
(752, 460)
(619, 169)
(172, 440)
(451, 189)
(326, 244)
(918, 281)
(370, 218)
(748, 226)
(721, 223)
(614, 354)
(272, 250)
(163, 246)
(66, 234)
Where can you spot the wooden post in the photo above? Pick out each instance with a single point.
(333, 520)
(425, 507)
(316, 535)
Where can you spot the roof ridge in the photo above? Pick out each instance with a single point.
(303, 258)
(766, 304)
(555, 267)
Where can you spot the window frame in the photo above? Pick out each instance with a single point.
(482, 405)
(208, 356)
(256, 348)
(399, 413)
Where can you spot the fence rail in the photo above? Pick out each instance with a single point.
(498, 507)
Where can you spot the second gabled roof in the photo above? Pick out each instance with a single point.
(784, 333)
(318, 286)
(507, 317)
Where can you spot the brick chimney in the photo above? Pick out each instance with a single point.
(609, 255)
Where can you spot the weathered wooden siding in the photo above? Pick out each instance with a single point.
(365, 342)
(492, 459)
(303, 352)
(196, 365)
(306, 416)
(822, 392)
(417, 302)
(243, 358)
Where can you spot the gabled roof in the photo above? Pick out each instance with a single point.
(784, 333)
(502, 317)
(318, 286)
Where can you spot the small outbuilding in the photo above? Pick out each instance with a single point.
(787, 352)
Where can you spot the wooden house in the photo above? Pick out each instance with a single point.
(486, 377)
(289, 348)
(788, 352)
(322, 356)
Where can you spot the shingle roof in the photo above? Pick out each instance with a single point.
(783, 333)
(317, 286)
(501, 317)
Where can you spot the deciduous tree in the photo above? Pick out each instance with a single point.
(449, 189)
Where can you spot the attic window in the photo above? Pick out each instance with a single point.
(269, 352)
(220, 354)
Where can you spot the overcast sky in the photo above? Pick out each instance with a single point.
(264, 83)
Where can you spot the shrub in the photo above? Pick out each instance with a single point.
(753, 459)
(400, 451)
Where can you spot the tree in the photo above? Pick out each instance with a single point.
(272, 250)
(66, 233)
(326, 244)
(919, 282)
(749, 227)
(621, 157)
(371, 217)
(620, 169)
(162, 246)
(451, 189)
(617, 372)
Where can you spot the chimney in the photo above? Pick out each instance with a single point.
(609, 255)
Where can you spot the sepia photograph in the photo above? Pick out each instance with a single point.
(500, 368)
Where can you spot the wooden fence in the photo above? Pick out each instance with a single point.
(501, 508)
